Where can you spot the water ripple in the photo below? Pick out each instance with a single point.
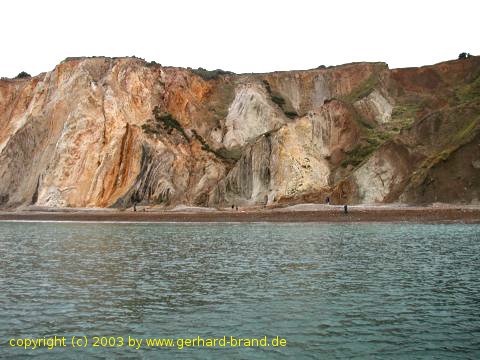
(333, 291)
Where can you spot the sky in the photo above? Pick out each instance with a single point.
(240, 36)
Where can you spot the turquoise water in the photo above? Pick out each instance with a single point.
(371, 291)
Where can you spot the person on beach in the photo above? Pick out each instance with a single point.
(345, 209)
(134, 206)
(327, 200)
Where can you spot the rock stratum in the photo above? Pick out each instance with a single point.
(110, 132)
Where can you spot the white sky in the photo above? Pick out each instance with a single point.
(240, 35)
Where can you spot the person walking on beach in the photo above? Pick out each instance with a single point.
(345, 209)
(327, 200)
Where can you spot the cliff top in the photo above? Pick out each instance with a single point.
(211, 74)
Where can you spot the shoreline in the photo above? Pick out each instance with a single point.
(320, 214)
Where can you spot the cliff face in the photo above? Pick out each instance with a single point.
(100, 132)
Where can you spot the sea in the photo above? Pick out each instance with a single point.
(239, 291)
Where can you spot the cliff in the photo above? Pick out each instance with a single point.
(103, 132)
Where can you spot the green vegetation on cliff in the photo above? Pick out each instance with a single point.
(363, 90)
(165, 121)
(462, 137)
(371, 140)
(367, 86)
(278, 99)
(220, 153)
(468, 92)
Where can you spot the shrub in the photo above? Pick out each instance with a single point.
(291, 114)
(464, 55)
(153, 63)
(210, 74)
(23, 75)
(278, 100)
(267, 86)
